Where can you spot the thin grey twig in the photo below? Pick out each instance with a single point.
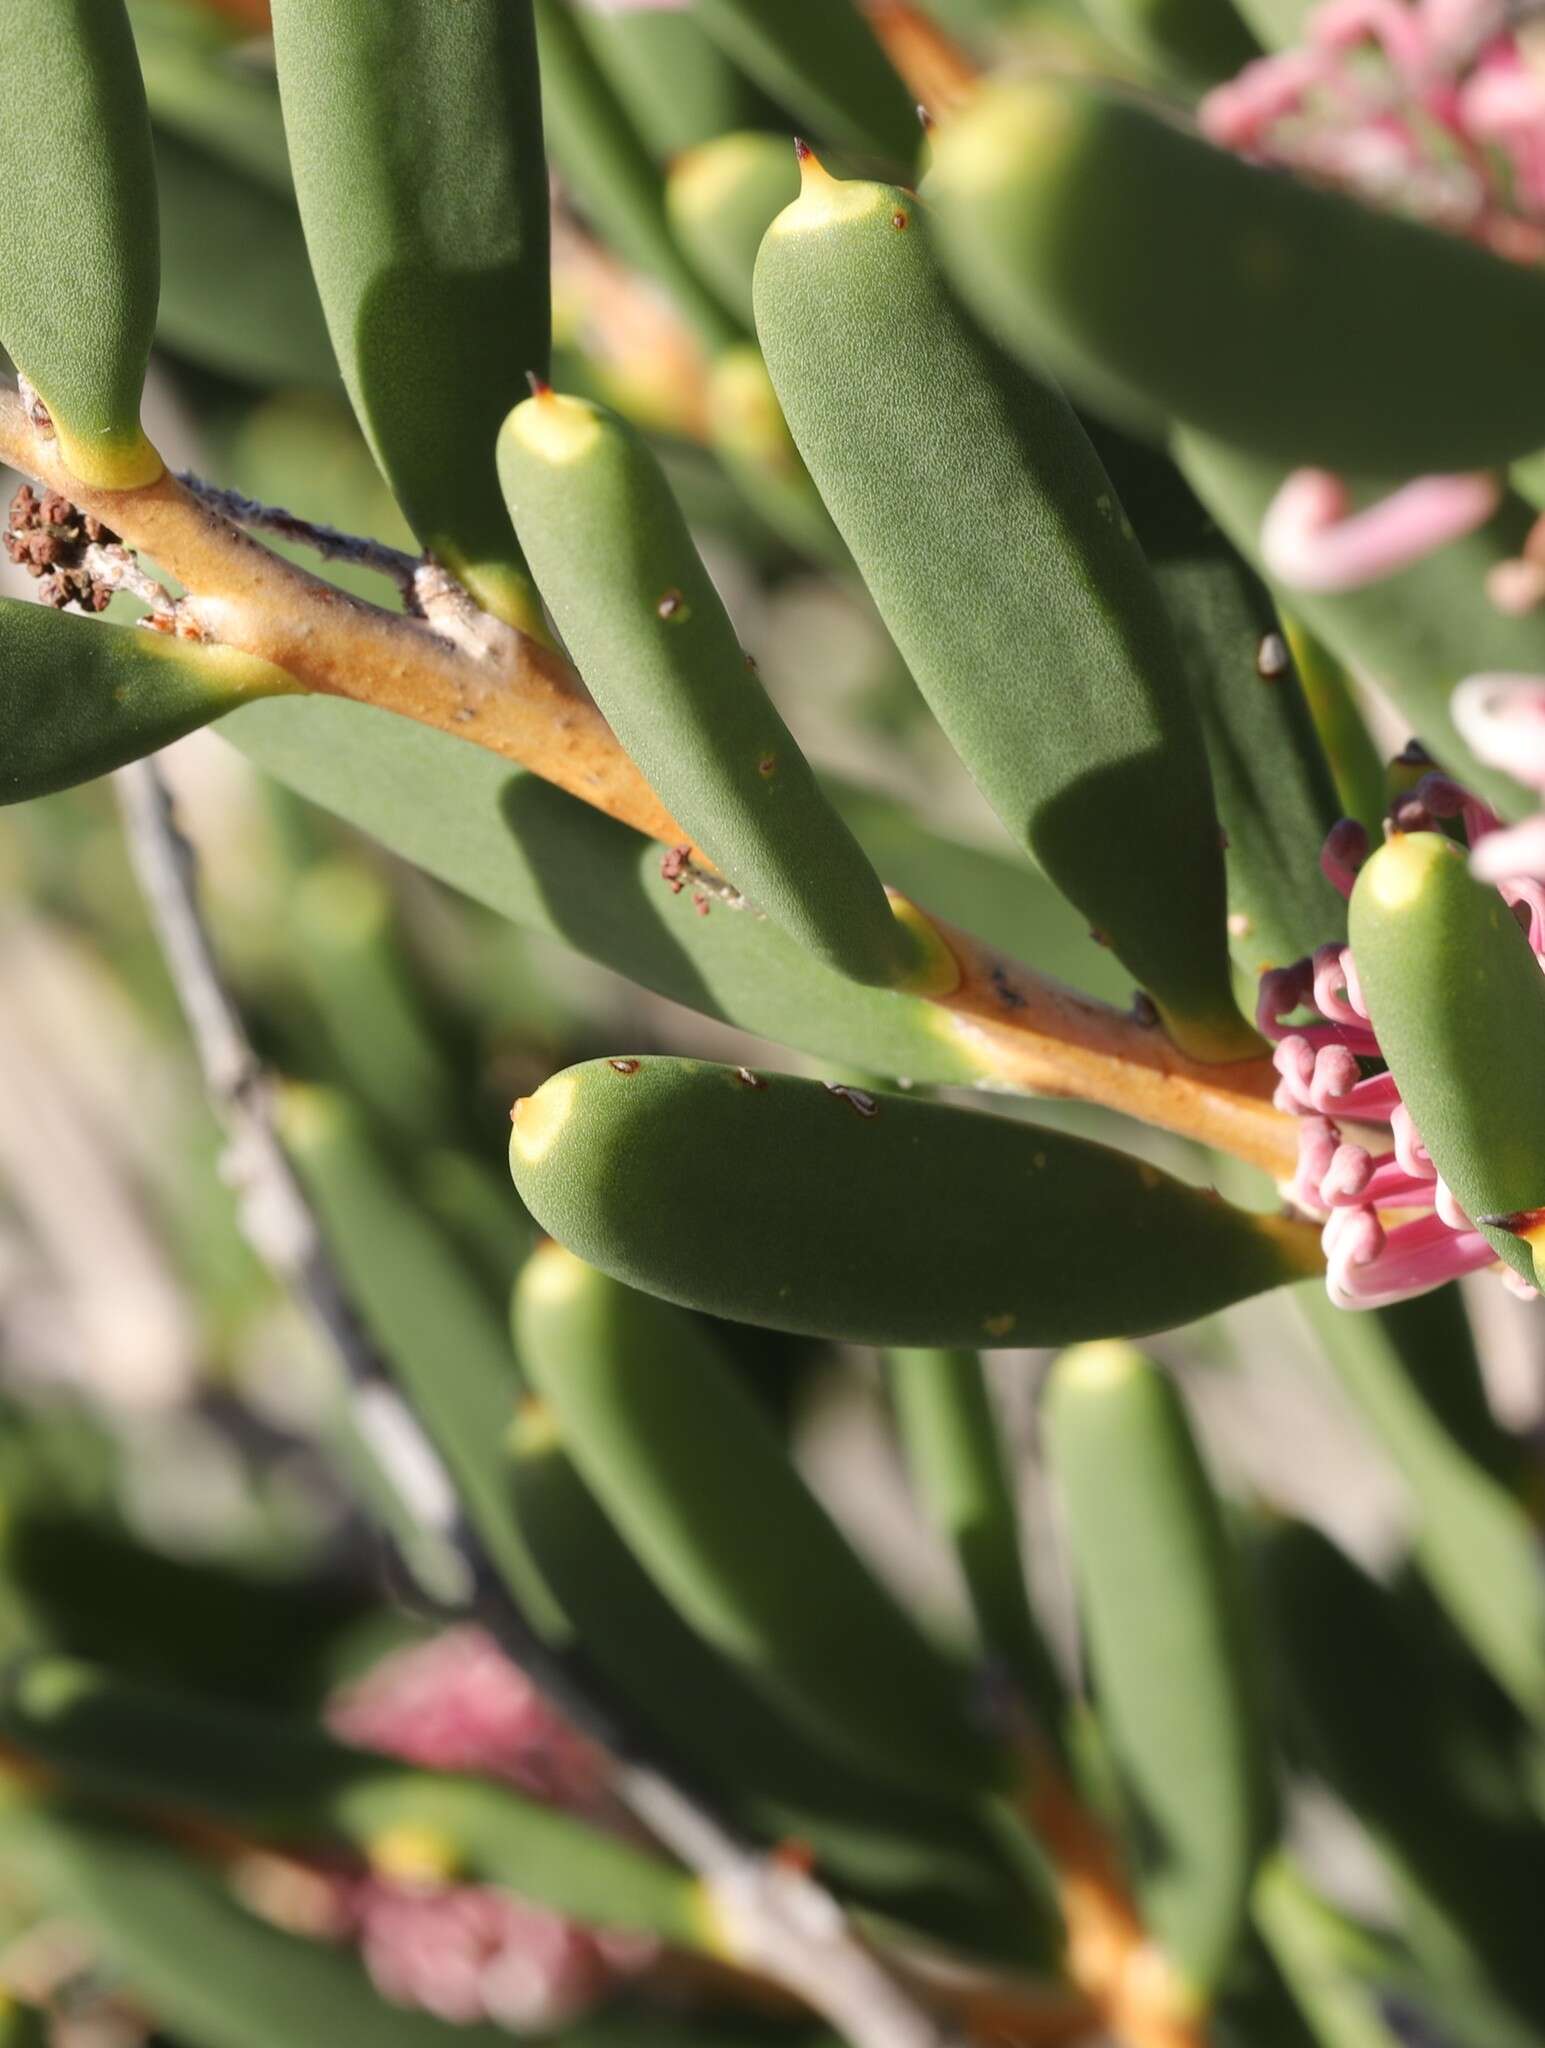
(428, 590)
(329, 542)
(773, 1919)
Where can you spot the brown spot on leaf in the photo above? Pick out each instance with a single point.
(747, 1079)
(673, 608)
(624, 1066)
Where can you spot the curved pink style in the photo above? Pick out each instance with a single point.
(1311, 539)
(1501, 718)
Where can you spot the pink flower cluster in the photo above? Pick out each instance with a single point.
(1433, 106)
(469, 1953)
(1392, 1227)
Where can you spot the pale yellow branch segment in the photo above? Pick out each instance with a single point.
(516, 698)
(489, 684)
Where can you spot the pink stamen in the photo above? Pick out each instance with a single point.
(1236, 115)
(1516, 855)
(1353, 982)
(1332, 998)
(1316, 1152)
(1294, 1061)
(1413, 1155)
(1515, 588)
(1448, 1209)
(1531, 894)
(1515, 1283)
(1348, 1176)
(1384, 1184)
(1343, 854)
(1280, 992)
(1410, 1260)
(1352, 1240)
(1397, 29)
(1502, 718)
(1336, 1089)
(1313, 540)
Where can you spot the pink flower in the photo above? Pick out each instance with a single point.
(470, 1953)
(456, 1703)
(1392, 1227)
(1432, 108)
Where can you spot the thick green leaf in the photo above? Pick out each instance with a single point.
(1457, 1000)
(77, 224)
(1175, 1688)
(925, 1863)
(216, 1974)
(237, 294)
(204, 84)
(1193, 42)
(677, 84)
(1386, 1730)
(1412, 1372)
(998, 556)
(80, 697)
(638, 611)
(696, 1479)
(879, 1219)
(415, 134)
(721, 198)
(604, 162)
(1275, 794)
(1339, 1974)
(950, 1435)
(1242, 301)
(427, 1312)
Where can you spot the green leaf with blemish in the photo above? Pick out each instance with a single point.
(876, 1218)
(998, 555)
(78, 698)
(638, 610)
(415, 135)
(80, 274)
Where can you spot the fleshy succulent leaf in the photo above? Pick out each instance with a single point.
(81, 698)
(881, 1219)
(998, 555)
(1337, 325)
(416, 139)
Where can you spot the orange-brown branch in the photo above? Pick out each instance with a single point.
(937, 71)
(490, 684)
(1110, 1957)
